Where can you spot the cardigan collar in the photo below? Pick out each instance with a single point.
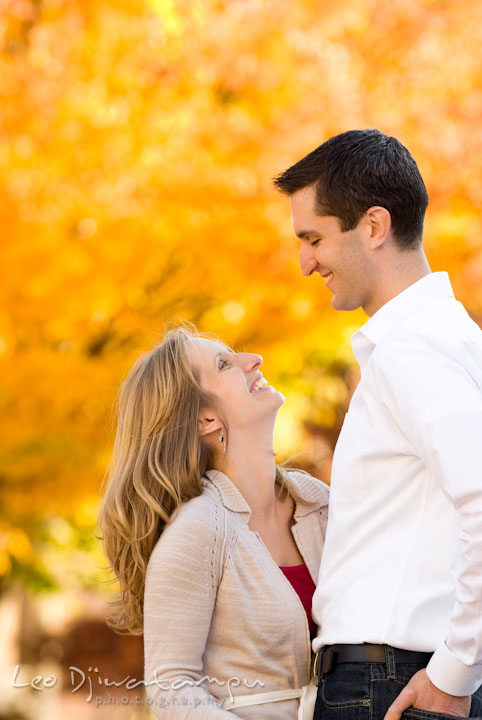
(308, 495)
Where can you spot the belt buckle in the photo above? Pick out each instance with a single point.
(315, 666)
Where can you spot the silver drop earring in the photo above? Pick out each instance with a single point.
(221, 439)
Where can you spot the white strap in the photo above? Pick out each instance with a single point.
(261, 698)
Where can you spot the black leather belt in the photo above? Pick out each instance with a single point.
(332, 655)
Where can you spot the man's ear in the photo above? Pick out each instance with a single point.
(208, 422)
(380, 224)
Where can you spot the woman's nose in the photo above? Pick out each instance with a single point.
(250, 361)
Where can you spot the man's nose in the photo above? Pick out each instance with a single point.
(307, 261)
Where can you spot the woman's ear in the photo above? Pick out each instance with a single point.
(208, 422)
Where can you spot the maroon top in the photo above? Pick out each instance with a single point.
(300, 578)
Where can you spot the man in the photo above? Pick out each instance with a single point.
(399, 597)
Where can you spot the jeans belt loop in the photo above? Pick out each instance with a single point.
(391, 663)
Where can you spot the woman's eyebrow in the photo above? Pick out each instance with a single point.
(223, 352)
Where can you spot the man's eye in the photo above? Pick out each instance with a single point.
(314, 242)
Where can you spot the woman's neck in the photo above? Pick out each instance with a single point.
(251, 467)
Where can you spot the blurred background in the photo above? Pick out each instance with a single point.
(138, 142)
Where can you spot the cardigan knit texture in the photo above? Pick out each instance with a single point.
(220, 617)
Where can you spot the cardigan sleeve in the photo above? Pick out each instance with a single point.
(180, 594)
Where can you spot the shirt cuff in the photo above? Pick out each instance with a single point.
(451, 675)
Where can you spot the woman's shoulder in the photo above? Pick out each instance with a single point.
(200, 511)
(195, 524)
(308, 489)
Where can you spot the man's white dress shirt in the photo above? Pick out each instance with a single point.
(402, 562)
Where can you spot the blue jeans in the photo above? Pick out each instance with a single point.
(365, 691)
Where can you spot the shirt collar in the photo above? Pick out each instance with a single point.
(430, 287)
(308, 497)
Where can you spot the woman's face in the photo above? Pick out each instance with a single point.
(235, 379)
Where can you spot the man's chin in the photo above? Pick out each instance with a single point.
(337, 302)
(340, 303)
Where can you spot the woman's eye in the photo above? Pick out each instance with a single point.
(223, 363)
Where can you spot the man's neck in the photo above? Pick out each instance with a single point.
(397, 277)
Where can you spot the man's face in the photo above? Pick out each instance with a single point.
(342, 258)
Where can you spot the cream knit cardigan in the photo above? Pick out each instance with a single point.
(220, 617)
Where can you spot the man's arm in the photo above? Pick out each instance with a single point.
(439, 409)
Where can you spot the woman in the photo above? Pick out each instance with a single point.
(216, 549)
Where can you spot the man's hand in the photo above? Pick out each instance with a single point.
(421, 693)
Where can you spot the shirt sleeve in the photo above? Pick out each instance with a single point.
(434, 394)
(180, 594)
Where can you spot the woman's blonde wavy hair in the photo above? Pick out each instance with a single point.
(157, 463)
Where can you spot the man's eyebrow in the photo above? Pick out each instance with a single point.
(307, 233)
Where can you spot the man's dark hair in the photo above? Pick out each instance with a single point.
(358, 169)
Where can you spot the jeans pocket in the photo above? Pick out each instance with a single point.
(347, 686)
(416, 714)
(476, 707)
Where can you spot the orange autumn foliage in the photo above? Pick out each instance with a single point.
(138, 140)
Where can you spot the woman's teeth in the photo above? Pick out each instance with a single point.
(261, 383)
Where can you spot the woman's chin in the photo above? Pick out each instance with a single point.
(281, 397)
(278, 399)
